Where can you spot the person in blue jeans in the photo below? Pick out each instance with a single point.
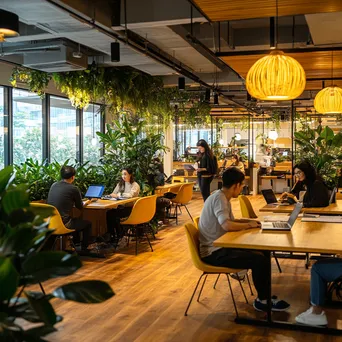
(322, 273)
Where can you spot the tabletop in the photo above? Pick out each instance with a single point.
(109, 204)
(332, 209)
(307, 237)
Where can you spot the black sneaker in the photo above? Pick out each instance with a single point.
(277, 305)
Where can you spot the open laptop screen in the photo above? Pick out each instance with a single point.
(269, 196)
(94, 191)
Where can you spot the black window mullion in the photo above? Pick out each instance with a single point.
(8, 125)
(79, 135)
(102, 130)
(46, 128)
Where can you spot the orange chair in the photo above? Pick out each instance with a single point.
(183, 197)
(247, 211)
(142, 213)
(193, 241)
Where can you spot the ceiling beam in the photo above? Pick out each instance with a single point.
(193, 3)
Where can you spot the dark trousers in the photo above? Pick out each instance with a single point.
(244, 259)
(204, 184)
(81, 226)
(113, 220)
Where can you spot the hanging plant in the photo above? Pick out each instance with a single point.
(37, 81)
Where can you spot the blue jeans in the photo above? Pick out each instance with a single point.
(323, 272)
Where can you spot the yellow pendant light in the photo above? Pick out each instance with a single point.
(329, 100)
(276, 77)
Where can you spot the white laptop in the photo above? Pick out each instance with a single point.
(281, 225)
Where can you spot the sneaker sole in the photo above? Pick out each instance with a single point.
(311, 325)
(273, 309)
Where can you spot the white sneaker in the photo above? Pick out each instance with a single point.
(309, 318)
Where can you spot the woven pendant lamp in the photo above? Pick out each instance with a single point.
(276, 77)
(329, 100)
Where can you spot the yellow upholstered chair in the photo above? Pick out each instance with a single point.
(196, 221)
(184, 196)
(57, 224)
(247, 211)
(142, 213)
(193, 241)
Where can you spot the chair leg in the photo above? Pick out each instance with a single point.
(176, 213)
(148, 240)
(128, 236)
(188, 212)
(136, 241)
(277, 261)
(231, 292)
(199, 295)
(187, 308)
(54, 243)
(243, 291)
(249, 283)
(218, 276)
(41, 287)
(307, 261)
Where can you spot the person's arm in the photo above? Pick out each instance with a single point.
(203, 164)
(115, 192)
(234, 226)
(134, 192)
(78, 199)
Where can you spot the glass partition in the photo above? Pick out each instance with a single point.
(27, 126)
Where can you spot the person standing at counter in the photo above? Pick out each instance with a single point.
(207, 168)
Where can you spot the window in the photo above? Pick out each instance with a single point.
(2, 130)
(91, 125)
(27, 126)
(63, 130)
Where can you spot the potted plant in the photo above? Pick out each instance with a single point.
(23, 233)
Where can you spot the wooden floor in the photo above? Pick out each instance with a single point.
(153, 289)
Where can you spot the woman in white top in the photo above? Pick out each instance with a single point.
(126, 188)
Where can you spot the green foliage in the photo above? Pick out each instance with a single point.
(23, 233)
(322, 148)
(127, 145)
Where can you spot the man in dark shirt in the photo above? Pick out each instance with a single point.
(64, 196)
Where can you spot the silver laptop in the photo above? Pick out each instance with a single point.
(281, 225)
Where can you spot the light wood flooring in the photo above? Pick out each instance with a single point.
(153, 289)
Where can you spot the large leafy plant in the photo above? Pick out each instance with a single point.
(128, 145)
(322, 148)
(23, 233)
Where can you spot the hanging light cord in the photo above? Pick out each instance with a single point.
(277, 25)
(332, 67)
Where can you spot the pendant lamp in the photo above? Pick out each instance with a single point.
(9, 25)
(276, 77)
(329, 99)
(272, 134)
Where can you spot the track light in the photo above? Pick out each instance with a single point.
(115, 52)
(216, 99)
(181, 83)
(9, 25)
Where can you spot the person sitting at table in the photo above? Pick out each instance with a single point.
(64, 196)
(322, 273)
(126, 188)
(316, 195)
(216, 220)
(236, 161)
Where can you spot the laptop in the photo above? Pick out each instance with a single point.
(189, 167)
(270, 197)
(281, 225)
(95, 191)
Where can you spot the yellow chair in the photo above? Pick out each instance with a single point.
(196, 221)
(193, 241)
(57, 224)
(142, 213)
(247, 211)
(184, 196)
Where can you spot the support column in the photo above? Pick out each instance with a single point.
(168, 156)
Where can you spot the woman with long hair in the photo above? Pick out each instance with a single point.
(207, 167)
(126, 188)
(316, 192)
(236, 161)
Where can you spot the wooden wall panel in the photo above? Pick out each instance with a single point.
(221, 10)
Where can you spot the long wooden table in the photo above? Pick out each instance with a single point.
(306, 237)
(332, 209)
(174, 187)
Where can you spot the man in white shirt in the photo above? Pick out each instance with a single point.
(216, 220)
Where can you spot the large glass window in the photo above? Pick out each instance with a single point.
(2, 130)
(91, 125)
(27, 126)
(63, 130)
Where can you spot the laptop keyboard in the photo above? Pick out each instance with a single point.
(280, 224)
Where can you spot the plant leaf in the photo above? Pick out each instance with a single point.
(90, 291)
(15, 199)
(5, 176)
(9, 279)
(46, 265)
(327, 134)
(42, 308)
